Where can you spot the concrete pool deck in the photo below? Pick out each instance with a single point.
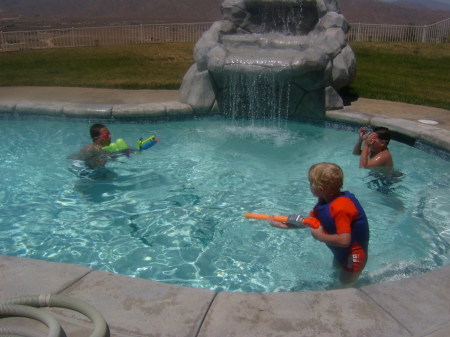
(132, 307)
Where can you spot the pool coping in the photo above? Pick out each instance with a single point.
(415, 131)
(417, 306)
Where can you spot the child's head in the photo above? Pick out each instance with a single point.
(95, 130)
(326, 177)
(100, 134)
(383, 134)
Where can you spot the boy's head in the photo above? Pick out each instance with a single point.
(100, 134)
(326, 177)
(383, 134)
(95, 130)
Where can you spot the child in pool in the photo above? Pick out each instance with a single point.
(93, 154)
(343, 226)
(374, 153)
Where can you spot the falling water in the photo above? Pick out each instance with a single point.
(256, 86)
(256, 96)
(286, 19)
(292, 54)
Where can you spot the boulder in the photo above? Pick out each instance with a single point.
(291, 55)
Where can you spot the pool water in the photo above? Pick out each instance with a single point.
(174, 212)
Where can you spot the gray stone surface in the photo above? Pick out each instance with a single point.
(333, 313)
(79, 110)
(7, 107)
(332, 98)
(354, 117)
(344, 68)
(196, 90)
(428, 133)
(437, 137)
(409, 128)
(144, 307)
(87, 95)
(53, 109)
(132, 111)
(175, 109)
(418, 306)
(431, 134)
(416, 303)
(20, 277)
(298, 44)
(442, 330)
(151, 110)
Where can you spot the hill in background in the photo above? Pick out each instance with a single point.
(396, 13)
(421, 4)
(44, 14)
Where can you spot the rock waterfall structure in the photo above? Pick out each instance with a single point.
(271, 58)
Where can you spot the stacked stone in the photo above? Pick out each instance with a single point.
(307, 48)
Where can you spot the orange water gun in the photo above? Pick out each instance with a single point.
(295, 220)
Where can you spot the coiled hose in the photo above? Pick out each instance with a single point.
(25, 306)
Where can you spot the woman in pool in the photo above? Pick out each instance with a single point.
(374, 153)
(344, 227)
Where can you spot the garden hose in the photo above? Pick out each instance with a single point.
(16, 310)
(15, 307)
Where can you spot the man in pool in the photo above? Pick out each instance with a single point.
(344, 227)
(93, 154)
(374, 153)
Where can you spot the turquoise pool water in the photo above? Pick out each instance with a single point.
(174, 212)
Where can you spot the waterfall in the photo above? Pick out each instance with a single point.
(272, 59)
(286, 19)
(256, 96)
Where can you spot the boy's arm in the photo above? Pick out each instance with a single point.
(380, 159)
(357, 148)
(338, 240)
(361, 134)
(343, 211)
(364, 158)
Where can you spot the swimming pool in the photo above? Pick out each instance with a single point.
(174, 213)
